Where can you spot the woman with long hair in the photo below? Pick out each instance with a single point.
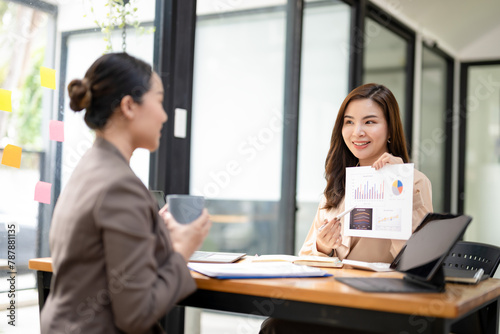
(367, 132)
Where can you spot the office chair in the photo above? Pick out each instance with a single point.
(472, 256)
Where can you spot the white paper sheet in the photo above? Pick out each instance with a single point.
(256, 270)
(383, 199)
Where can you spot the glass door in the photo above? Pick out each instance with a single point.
(434, 150)
(324, 85)
(237, 122)
(482, 153)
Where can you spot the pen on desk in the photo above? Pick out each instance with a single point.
(338, 217)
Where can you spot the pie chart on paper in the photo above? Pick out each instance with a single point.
(397, 187)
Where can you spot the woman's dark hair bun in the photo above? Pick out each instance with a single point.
(79, 94)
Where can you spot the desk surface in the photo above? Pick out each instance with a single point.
(457, 300)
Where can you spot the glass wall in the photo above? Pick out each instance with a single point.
(385, 61)
(324, 80)
(433, 116)
(482, 153)
(237, 122)
(80, 54)
(32, 39)
(27, 37)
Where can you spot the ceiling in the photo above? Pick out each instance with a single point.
(460, 27)
(456, 24)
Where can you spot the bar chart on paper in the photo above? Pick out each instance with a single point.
(368, 190)
(383, 200)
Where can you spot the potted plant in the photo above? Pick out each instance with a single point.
(118, 14)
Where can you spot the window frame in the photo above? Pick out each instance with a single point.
(448, 123)
(463, 114)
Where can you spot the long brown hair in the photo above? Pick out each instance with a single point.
(339, 156)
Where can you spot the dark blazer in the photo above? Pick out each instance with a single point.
(115, 270)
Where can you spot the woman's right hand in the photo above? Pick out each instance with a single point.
(187, 238)
(329, 237)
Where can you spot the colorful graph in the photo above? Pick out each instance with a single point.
(388, 219)
(370, 192)
(361, 219)
(397, 187)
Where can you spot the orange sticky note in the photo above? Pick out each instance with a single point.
(12, 156)
(56, 131)
(42, 192)
(48, 77)
(5, 100)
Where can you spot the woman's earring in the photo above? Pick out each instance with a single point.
(389, 141)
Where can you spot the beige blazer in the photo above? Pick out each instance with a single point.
(115, 270)
(371, 249)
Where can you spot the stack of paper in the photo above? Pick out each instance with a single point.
(372, 266)
(313, 261)
(256, 270)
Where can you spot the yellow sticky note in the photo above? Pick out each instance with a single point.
(48, 77)
(12, 156)
(5, 100)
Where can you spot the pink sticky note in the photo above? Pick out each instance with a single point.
(42, 192)
(56, 130)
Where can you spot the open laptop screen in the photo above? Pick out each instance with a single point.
(160, 197)
(424, 252)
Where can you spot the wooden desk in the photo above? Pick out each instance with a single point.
(326, 301)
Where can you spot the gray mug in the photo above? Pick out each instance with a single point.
(185, 208)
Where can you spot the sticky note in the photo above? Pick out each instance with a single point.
(12, 156)
(56, 131)
(42, 192)
(5, 100)
(48, 77)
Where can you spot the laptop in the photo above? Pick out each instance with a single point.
(159, 196)
(420, 259)
(201, 256)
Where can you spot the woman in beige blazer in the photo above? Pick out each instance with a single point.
(368, 132)
(118, 266)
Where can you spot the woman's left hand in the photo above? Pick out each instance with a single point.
(385, 159)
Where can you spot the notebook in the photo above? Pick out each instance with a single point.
(256, 270)
(215, 257)
(372, 266)
(455, 275)
(308, 260)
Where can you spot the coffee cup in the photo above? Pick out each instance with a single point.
(185, 208)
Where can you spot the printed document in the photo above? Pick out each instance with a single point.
(256, 270)
(383, 200)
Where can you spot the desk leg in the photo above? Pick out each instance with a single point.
(489, 318)
(483, 321)
(173, 322)
(43, 282)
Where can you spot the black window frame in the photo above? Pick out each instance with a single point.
(397, 27)
(463, 114)
(448, 122)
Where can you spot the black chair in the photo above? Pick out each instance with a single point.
(472, 256)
